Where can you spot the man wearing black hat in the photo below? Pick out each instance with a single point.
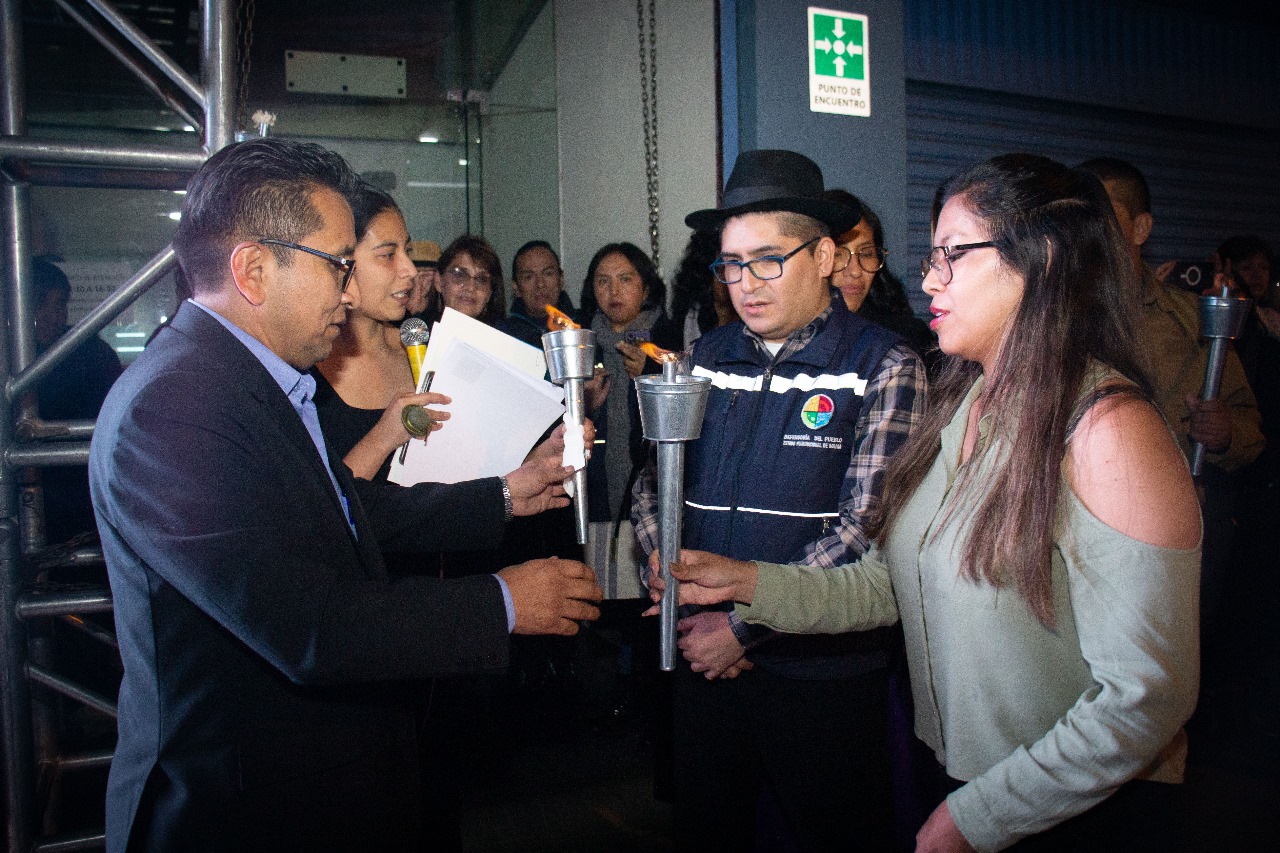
(807, 403)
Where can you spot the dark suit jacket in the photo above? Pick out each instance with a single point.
(264, 646)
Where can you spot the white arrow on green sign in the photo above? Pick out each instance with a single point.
(839, 47)
(839, 69)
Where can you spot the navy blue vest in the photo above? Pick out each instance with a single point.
(767, 476)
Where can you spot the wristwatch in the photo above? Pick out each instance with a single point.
(508, 508)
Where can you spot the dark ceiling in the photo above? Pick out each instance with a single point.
(447, 45)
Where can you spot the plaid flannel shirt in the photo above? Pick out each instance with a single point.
(894, 404)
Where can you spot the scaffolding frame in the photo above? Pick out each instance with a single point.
(25, 439)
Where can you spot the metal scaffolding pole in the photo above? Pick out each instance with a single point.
(86, 154)
(128, 60)
(24, 438)
(157, 57)
(17, 739)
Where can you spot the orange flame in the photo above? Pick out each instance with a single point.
(558, 321)
(657, 353)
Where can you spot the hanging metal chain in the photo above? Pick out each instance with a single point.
(649, 98)
(244, 20)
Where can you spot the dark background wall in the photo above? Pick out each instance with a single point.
(765, 47)
(1189, 93)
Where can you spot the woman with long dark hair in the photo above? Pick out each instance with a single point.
(623, 302)
(868, 285)
(1039, 537)
(365, 382)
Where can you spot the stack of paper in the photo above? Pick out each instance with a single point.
(501, 404)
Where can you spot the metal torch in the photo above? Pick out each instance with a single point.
(1220, 320)
(570, 362)
(671, 409)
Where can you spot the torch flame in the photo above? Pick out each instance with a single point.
(657, 353)
(558, 321)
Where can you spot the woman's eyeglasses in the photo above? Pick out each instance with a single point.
(457, 277)
(940, 257)
(870, 259)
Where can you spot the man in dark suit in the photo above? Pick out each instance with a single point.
(265, 647)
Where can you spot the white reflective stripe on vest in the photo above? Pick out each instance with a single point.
(781, 384)
(764, 511)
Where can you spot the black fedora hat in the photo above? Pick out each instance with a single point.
(763, 181)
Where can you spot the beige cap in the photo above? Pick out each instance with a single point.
(425, 253)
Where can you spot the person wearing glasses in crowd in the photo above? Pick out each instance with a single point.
(869, 287)
(1039, 536)
(807, 403)
(470, 280)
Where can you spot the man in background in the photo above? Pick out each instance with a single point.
(426, 259)
(537, 281)
(73, 390)
(1229, 427)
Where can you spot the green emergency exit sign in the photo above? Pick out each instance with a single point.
(839, 46)
(839, 65)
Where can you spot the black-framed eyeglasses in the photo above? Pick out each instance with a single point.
(764, 268)
(346, 266)
(870, 259)
(940, 257)
(457, 277)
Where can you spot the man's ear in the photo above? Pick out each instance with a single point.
(1141, 228)
(249, 268)
(825, 254)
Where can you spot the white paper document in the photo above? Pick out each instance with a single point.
(456, 326)
(498, 412)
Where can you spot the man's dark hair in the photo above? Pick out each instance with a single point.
(1132, 189)
(529, 247)
(251, 190)
(48, 278)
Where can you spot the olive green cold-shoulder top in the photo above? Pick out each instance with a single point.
(1042, 724)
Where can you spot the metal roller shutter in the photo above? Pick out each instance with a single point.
(1208, 180)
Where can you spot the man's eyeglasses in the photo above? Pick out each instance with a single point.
(457, 277)
(764, 269)
(870, 259)
(346, 266)
(940, 257)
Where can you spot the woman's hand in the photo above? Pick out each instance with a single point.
(596, 389)
(705, 578)
(392, 421)
(940, 835)
(389, 433)
(632, 358)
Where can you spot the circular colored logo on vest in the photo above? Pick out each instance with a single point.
(817, 411)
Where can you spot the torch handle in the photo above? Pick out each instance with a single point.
(670, 517)
(1212, 384)
(577, 413)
